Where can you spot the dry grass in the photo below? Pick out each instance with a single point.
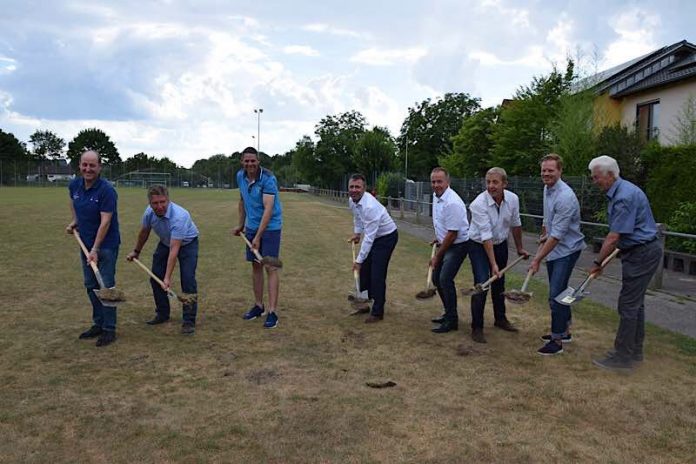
(235, 392)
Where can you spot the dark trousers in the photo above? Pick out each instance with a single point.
(373, 271)
(102, 316)
(637, 268)
(443, 278)
(188, 260)
(559, 271)
(482, 272)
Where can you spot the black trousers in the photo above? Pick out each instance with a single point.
(373, 271)
(482, 272)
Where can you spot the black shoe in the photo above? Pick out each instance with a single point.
(106, 338)
(188, 328)
(92, 332)
(446, 327)
(157, 320)
(477, 336)
(615, 363)
(438, 320)
(506, 326)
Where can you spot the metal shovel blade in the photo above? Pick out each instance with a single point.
(569, 296)
(109, 296)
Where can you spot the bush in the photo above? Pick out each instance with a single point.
(671, 178)
(683, 220)
(390, 184)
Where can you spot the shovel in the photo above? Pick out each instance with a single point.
(571, 295)
(479, 288)
(520, 296)
(270, 262)
(429, 291)
(187, 299)
(107, 296)
(358, 297)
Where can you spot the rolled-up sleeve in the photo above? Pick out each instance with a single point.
(515, 220)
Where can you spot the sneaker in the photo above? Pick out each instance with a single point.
(271, 321)
(550, 349)
(106, 338)
(92, 332)
(565, 339)
(188, 328)
(253, 313)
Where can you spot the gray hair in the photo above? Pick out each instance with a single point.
(605, 164)
(500, 171)
(441, 169)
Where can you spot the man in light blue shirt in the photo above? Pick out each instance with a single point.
(261, 221)
(379, 237)
(633, 230)
(562, 244)
(178, 240)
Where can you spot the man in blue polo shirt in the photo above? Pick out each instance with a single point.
(261, 221)
(178, 240)
(94, 209)
(633, 230)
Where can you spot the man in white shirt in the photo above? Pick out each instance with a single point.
(452, 234)
(494, 213)
(379, 238)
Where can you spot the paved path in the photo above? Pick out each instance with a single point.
(672, 308)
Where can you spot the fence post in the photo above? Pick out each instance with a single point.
(418, 211)
(401, 208)
(389, 206)
(656, 281)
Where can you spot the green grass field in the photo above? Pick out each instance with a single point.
(236, 393)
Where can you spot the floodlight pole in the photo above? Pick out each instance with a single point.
(258, 112)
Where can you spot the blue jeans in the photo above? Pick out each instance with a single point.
(482, 272)
(443, 278)
(373, 271)
(102, 316)
(559, 271)
(188, 261)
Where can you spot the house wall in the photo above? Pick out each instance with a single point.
(671, 98)
(607, 111)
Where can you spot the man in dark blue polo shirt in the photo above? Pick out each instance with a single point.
(178, 241)
(633, 230)
(261, 221)
(93, 205)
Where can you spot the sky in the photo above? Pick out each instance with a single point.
(182, 78)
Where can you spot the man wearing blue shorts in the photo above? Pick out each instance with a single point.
(261, 220)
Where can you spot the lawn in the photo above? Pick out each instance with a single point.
(235, 392)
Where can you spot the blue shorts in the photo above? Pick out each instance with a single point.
(270, 244)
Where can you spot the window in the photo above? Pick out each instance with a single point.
(647, 119)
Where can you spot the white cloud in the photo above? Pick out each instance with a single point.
(300, 50)
(517, 17)
(389, 57)
(326, 28)
(7, 65)
(636, 30)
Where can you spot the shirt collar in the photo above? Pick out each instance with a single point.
(259, 175)
(612, 190)
(491, 201)
(444, 195)
(168, 213)
(94, 185)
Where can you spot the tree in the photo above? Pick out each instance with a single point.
(46, 145)
(303, 161)
(624, 145)
(472, 145)
(427, 131)
(574, 131)
(374, 152)
(12, 152)
(685, 125)
(524, 133)
(333, 153)
(93, 139)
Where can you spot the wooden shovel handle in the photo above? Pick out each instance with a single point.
(606, 261)
(154, 277)
(92, 264)
(526, 281)
(259, 258)
(356, 276)
(503, 271)
(429, 281)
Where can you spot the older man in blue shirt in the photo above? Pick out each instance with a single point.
(633, 230)
(562, 244)
(178, 240)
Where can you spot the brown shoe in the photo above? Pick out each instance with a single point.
(506, 326)
(477, 336)
(371, 319)
(361, 308)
